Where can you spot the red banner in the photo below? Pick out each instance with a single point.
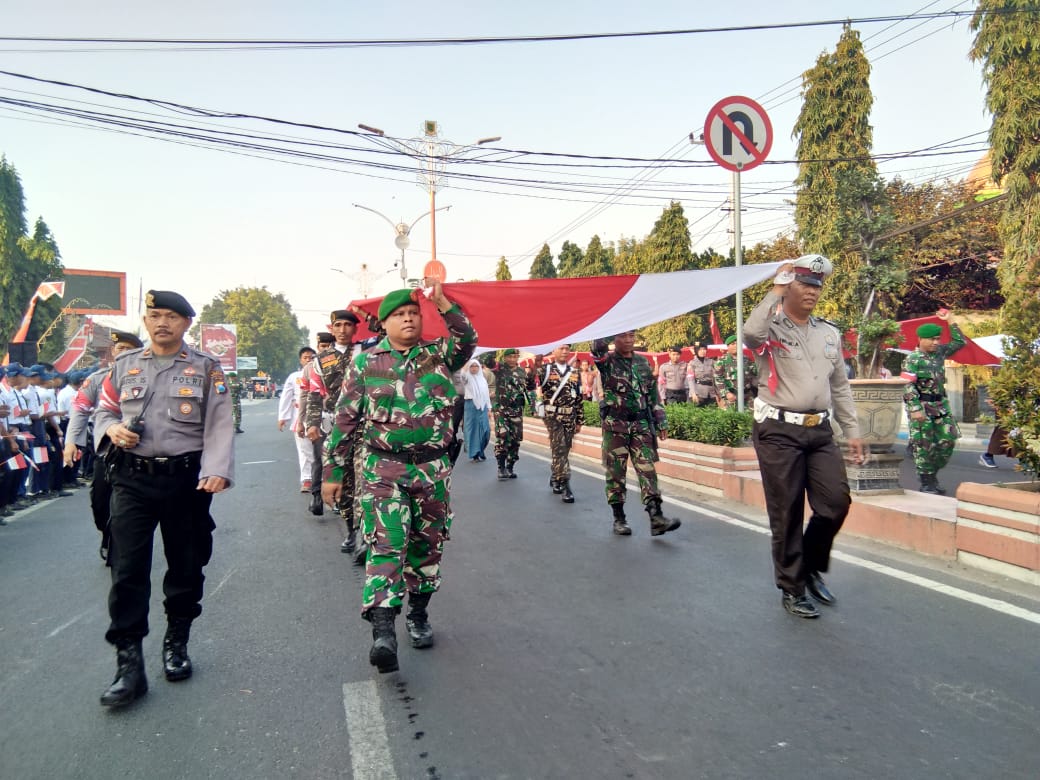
(221, 341)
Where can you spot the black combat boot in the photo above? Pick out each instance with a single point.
(351, 540)
(620, 524)
(317, 507)
(176, 664)
(556, 485)
(361, 553)
(568, 496)
(502, 473)
(130, 682)
(509, 471)
(659, 524)
(383, 654)
(419, 629)
(929, 484)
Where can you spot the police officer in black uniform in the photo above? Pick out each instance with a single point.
(163, 424)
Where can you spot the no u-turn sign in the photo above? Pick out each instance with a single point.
(738, 133)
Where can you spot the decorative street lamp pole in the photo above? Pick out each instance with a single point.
(433, 153)
(402, 231)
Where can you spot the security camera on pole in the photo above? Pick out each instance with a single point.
(738, 135)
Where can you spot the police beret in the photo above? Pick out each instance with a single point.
(731, 340)
(166, 299)
(122, 337)
(393, 301)
(507, 352)
(929, 331)
(325, 338)
(343, 314)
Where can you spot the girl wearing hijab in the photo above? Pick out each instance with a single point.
(478, 405)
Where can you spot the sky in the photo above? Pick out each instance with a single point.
(199, 219)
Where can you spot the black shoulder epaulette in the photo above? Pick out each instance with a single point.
(834, 325)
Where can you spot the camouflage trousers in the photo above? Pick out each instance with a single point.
(932, 441)
(349, 499)
(637, 443)
(509, 432)
(236, 412)
(561, 434)
(406, 516)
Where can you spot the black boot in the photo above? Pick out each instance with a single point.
(130, 682)
(568, 496)
(383, 654)
(176, 664)
(659, 524)
(361, 552)
(317, 507)
(929, 484)
(419, 629)
(351, 540)
(502, 473)
(620, 524)
(556, 485)
(509, 471)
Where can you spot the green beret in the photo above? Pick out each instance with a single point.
(731, 340)
(929, 331)
(507, 352)
(167, 299)
(393, 301)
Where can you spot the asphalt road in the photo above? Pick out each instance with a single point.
(964, 466)
(562, 651)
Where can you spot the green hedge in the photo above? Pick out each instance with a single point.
(704, 424)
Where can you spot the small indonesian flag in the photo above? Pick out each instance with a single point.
(16, 463)
(39, 454)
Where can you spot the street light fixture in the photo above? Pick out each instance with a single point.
(402, 231)
(433, 152)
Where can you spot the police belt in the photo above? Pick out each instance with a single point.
(420, 455)
(808, 419)
(705, 382)
(931, 397)
(167, 466)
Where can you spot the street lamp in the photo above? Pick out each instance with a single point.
(433, 152)
(402, 231)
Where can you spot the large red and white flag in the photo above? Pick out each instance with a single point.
(537, 315)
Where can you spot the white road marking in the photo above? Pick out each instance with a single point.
(366, 732)
(256, 462)
(68, 623)
(996, 605)
(222, 582)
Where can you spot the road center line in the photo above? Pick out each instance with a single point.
(366, 732)
(952, 591)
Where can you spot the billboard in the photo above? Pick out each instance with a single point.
(95, 292)
(221, 341)
(248, 363)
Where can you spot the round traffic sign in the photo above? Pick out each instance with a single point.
(435, 270)
(738, 133)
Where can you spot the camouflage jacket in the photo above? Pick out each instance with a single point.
(926, 376)
(630, 391)
(567, 403)
(726, 375)
(512, 391)
(401, 401)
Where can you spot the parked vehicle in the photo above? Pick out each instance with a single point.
(261, 387)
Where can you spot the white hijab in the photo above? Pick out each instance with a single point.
(477, 389)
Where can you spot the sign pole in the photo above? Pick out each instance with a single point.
(738, 256)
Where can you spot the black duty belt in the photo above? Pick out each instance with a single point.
(167, 466)
(931, 397)
(705, 382)
(624, 415)
(423, 455)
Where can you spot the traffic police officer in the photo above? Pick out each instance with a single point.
(800, 360)
(163, 424)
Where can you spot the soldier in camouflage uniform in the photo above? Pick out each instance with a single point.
(509, 397)
(235, 390)
(932, 429)
(632, 419)
(726, 376)
(331, 366)
(560, 392)
(399, 396)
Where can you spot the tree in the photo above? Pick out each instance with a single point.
(542, 267)
(597, 260)
(840, 208)
(1006, 45)
(951, 263)
(666, 249)
(570, 260)
(43, 262)
(502, 272)
(267, 328)
(25, 260)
